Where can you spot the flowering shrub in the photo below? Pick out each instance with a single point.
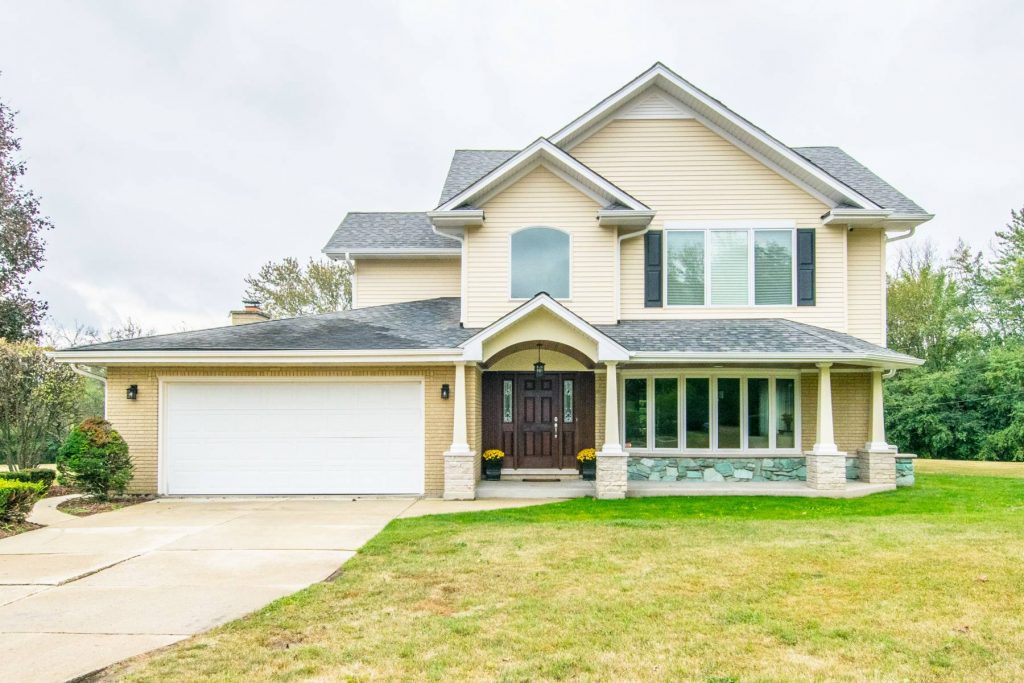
(586, 454)
(493, 454)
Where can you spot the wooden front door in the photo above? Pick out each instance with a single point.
(540, 423)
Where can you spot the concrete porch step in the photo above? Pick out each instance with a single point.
(551, 490)
(539, 474)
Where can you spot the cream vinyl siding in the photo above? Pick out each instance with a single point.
(540, 198)
(866, 284)
(684, 171)
(391, 281)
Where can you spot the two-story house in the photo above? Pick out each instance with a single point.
(660, 279)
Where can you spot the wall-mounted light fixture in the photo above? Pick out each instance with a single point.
(133, 392)
(538, 367)
(445, 392)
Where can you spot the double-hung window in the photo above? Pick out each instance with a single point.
(729, 266)
(707, 412)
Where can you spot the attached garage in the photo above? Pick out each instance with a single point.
(291, 437)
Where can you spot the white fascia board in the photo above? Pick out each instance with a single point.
(391, 357)
(607, 348)
(695, 99)
(399, 252)
(870, 359)
(625, 218)
(541, 149)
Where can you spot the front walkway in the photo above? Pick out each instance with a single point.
(86, 592)
(560, 490)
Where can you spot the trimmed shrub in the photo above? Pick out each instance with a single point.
(33, 476)
(17, 499)
(94, 459)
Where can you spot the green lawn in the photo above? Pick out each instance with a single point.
(920, 584)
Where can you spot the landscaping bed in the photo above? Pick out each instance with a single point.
(921, 584)
(15, 528)
(85, 506)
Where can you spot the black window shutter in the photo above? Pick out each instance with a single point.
(652, 270)
(805, 267)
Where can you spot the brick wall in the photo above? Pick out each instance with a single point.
(137, 420)
(851, 409)
(600, 383)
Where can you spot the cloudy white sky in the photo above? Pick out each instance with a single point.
(179, 145)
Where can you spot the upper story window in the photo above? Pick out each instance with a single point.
(540, 263)
(730, 267)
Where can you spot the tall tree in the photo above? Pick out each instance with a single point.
(286, 289)
(927, 312)
(21, 239)
(1006, 277)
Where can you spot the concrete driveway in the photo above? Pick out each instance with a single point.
(87, 592)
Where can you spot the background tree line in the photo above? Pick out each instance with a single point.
(964, 315)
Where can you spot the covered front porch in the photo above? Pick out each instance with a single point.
(792, 425)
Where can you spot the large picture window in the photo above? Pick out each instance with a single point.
(711, 412)
(729, 267)
(540, 263)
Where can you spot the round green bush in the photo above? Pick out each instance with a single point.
(17, 499)
(94, 459)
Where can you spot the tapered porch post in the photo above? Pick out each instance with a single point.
(826, 465)
(459, 460)
(611, 460)
(877, 460)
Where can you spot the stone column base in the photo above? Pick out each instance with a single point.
(826, 471)
(611, 475)
(877, 467)
(459, 476)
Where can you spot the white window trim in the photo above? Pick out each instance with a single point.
(752, 227)
(713, 375)
(571, 263)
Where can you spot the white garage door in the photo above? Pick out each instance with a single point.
(292, 437)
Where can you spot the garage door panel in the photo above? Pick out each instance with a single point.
(293, 437)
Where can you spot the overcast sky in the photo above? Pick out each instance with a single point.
(179, 145)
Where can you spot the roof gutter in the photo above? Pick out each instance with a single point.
(88, 374)
(871, 359)
(263, 357)
(624, 217)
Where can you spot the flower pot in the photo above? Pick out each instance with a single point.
(492, 470)
(589, 469)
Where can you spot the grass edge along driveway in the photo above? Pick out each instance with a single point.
(919, 584)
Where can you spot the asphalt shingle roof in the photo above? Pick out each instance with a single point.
(428, 324)
(434, 324)
(759, 335)
(469, 166)
(392, 230)
(851, 172)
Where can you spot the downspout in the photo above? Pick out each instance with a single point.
(461, 239)
(89, 374)
(618, 268)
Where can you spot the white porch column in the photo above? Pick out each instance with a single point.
(459, 460)
(611, 459)
(877, 460)
(824, 438)
(876, 437)
(826, 465)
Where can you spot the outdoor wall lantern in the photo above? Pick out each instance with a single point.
(445, 392)
(133, 392)
(538, 367)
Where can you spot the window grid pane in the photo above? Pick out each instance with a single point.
(685, 268)
(698, 416)
(758, 400)
(635, 401)
(729, 267)
(729, 435)
(666, 412)
(773, 267)
(785, 413)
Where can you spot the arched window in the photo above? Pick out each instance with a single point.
(540, 263)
